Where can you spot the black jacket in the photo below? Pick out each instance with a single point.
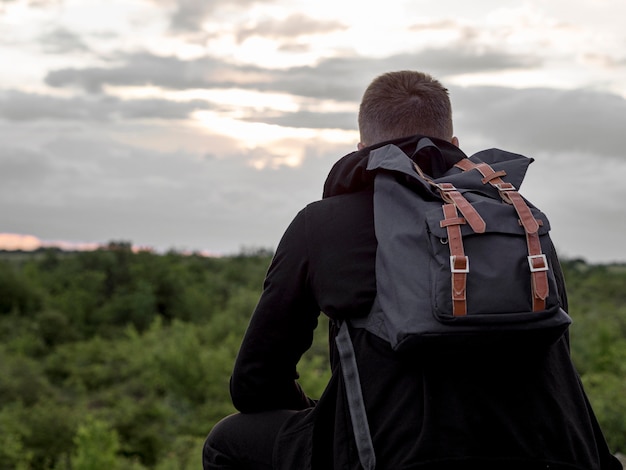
(528, 411)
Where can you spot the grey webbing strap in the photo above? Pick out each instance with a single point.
(355, 398)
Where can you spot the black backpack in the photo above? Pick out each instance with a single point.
(463, 263)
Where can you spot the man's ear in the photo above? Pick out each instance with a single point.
(455, 141)
(360, 146)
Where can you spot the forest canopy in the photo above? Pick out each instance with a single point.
(115, 359)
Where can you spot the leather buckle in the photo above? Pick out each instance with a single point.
(538, 267)
(446, 187)
(505, 187)
(459, 264)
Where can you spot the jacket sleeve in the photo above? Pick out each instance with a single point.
(280, 331)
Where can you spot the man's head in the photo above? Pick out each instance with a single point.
(405, 103)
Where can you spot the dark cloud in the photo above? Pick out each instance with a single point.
(455, 61)
(97, 189)
(21, 166)
(147, 69)
(87, 183)
(341, 78)
(544, 120)
(20, 106)
(62, 41)
(345, 78)
(291, 27)
(189, 14)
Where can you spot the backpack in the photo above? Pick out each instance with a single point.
(461, 265)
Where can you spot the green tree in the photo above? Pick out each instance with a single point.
(96, 447)
(143, 344)
(16, 293)
(185, 454)
(14, 453)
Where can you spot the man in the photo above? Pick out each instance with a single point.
(508, 413)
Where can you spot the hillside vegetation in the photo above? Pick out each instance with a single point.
(112, 359)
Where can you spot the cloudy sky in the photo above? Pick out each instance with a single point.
(206, 125)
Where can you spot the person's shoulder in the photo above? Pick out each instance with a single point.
(358, 197)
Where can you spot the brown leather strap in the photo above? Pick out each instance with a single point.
(485, 169)
(489, 174)
(451, 195)
(465, 164)
(538, 264)
(537, 261)
(510, 195)
(459, 263)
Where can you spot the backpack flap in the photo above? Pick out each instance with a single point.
(498, 271)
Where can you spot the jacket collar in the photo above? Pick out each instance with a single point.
(349, 174)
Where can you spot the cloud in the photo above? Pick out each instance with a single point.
(461, 31)
(189, 15)
(140, 69)
(608, 61)
(99, 189)
(345, 78)
(340, 78)
(21, 168)
(543, 120)
(451, 61)
(291, 27)
(188, 188)
(308, 119)
(21, 106)
(32, 3)
(62, 41)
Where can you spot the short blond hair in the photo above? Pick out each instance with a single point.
(404, 103)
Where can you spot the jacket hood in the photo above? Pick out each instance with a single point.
(350, 174)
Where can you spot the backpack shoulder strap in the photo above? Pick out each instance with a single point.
(354, 395)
